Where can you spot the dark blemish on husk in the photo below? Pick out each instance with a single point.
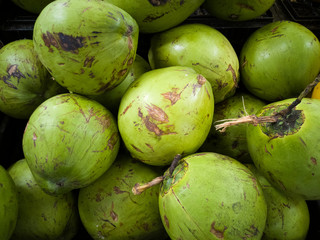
(313, 160)
(266, 150)
(34, 138)
(181, 2)
(234, 75)
(98, 197)
(273, 30)
(173, 96)
(113, 140)
(122, 72)
(127, 108)
(129, 30)
(166, 220)
(67, 43)
(201, 79)
(118, 191)
(113, 215)
(12, 71)
(137, 149)
(145, 226)
(221, 84)
(157, 3)
(88, 62)
(219, 234)
(43, 216)
(60, 184)
(110, 15)
(153, 17)
(149, 146)
(253, 231)
(157, 113)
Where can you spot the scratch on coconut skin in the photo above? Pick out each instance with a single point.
(234, 76)
(136, 148)
(266, 150)
(252, 231)
(218, 233)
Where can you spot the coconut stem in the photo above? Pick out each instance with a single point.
(138, 189)
(253, 119)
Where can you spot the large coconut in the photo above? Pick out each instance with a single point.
(42, 216)
(202, 48)
(287, 151)
(158, 15)
(109, 210)
(237, 10)
(165, 112)
(87, 46)
(279, 60)
(69, 142)
(212, 196)
(8, 205)
(25, 81)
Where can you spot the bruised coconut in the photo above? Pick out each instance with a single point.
(69, 142)
(212, 196)
(42, 216)
(286, 150)
(108, 208)
(87, 46)
(26, 83)
(166, 112)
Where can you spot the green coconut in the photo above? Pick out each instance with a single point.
(25, 81)
(166, 112)
(288, 215)
(109, 210)
(87, 46)
(202, 48)
(69, 142)
(232, 142)
(237, 10)
(111, 98)
(42, 216)
(212, 196)
(8, 205)
(32, 6)
(287, 151)
(158, 15)
(279, 60)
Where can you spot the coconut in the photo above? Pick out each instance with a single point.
(212, 196)
(286, 150)
(42, 216)
(288, 215)
(69, 142)
(25, 81)
(165, 112)
(87, 46)
(279, 60)
(202, 48)
(109, 210)
(8, 205)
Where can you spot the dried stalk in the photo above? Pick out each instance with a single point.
(253, 119)
(138, 189)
